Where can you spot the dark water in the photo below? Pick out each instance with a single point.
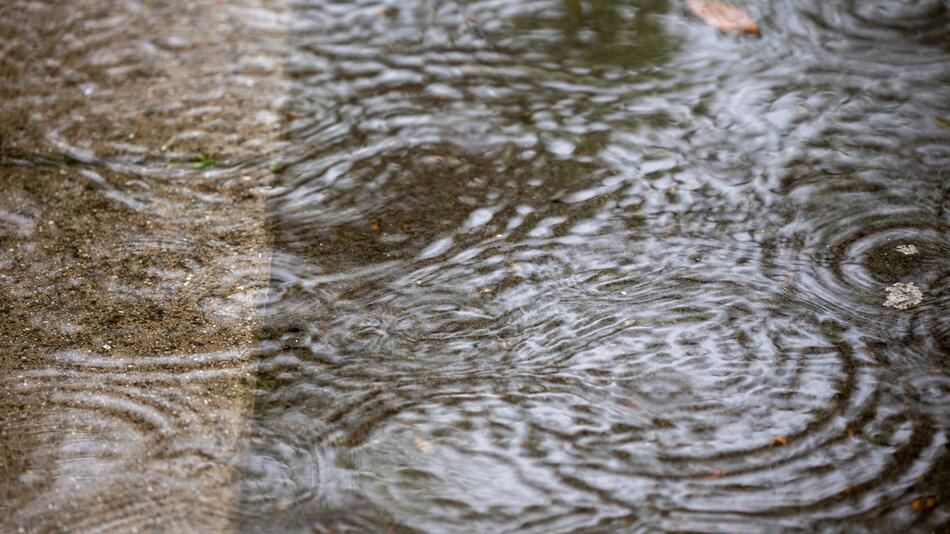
(482, 266)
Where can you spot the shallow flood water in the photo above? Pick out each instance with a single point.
(530, 266)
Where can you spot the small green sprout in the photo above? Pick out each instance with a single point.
(205, 161)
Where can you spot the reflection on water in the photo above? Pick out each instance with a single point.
(497, 266)
(593, 32)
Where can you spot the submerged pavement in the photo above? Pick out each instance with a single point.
(129, 277)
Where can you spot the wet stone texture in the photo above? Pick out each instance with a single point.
(532, 266)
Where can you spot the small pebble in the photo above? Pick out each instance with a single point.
(907, 250)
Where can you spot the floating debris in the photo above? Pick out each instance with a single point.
(903, 296)
(724, 17)
(907, 250)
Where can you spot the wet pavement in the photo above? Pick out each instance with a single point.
(532, 266)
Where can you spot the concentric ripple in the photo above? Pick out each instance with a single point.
(844, 260)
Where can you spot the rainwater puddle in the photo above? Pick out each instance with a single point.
(500, 266)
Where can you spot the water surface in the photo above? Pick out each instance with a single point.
(533, 266)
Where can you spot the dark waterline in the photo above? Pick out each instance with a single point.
(533, 266)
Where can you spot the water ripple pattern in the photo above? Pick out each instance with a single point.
(480, 265)
(559, 266)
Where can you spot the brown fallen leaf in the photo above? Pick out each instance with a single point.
(780, 440)
(724, 17)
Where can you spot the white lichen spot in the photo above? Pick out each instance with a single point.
(907, 250)
(903, 296)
